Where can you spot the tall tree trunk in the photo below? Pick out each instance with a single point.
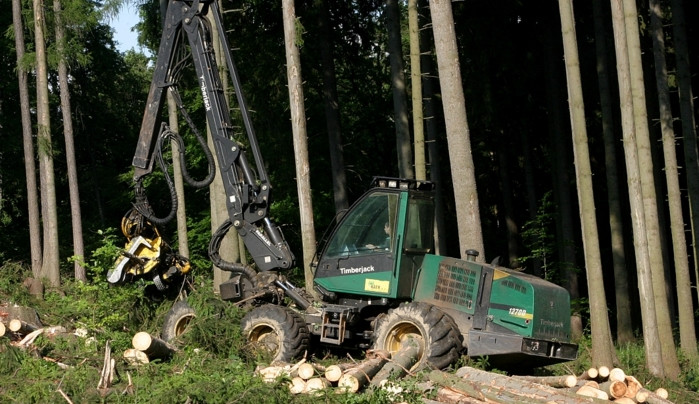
(458, 136)
(400, 102)
(298, 126)
(602, 348)
(433, 149)
(231, 249)
(565, 228)
(50, 265)
(654, 361)
(28, 142)
(416, 84)
(332, 110)
(181, 215)
(689, 132)
(624, 326)
(650, 202)
(688, 340)
(73, 186)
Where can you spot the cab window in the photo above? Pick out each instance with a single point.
(368, 228)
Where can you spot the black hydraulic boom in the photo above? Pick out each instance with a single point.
(247, 189)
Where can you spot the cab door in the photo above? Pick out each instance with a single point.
(360, 256)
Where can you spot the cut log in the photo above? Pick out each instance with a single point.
(662, 393)
(500, 388)
(272, 373)
(297, 385)
(305, 371)
(632, 387)
(316, 383)
(357, 377)
(152, 346)
(135, 357)
(614, 388)
(618, 375)
(449, 396)
(589, 374)
(603, 372)
(624, 400)
(334, 372)
(399, 364)
(552, 381)
(2, 329)
(647, 396)
(589, 391)
(21, 327)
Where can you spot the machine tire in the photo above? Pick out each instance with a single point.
(177, 320)
(277, 331)
(435, 331)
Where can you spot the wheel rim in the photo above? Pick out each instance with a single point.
(264, 337)
(400, 334)
(182, 323)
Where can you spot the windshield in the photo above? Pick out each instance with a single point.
(368, 228)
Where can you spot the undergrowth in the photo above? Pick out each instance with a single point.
(211, 365)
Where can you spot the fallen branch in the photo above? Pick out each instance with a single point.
(107, 373)
(30, 338)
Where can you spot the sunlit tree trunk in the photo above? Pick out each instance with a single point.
(650, 202)
(602, 348)
(688, 340)
(74, 190)
(458, 136)
(298, 126)
(689, 132)
(624, 326)
(416, 94)
(654, 361)
(400, 102)
(28, 142)
(50, 265)
(332, 110)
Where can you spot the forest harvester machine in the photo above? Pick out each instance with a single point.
(377, 281)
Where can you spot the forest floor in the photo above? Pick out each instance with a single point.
(82, 352)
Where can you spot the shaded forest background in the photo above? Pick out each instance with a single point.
(514, 81)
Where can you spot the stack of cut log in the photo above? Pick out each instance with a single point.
(468, 385)
(306, 377)
(616, 385)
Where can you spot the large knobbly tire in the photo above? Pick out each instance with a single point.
(177, 320)
(438, 337)
(276, 331)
